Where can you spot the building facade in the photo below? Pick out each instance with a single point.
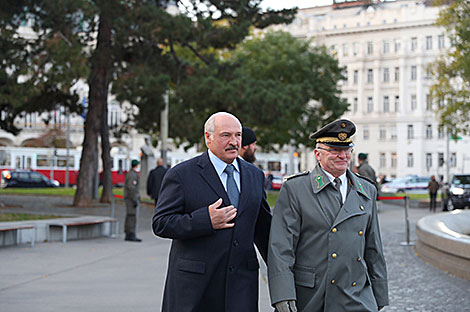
(386, 49)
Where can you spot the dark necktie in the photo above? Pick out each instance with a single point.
(232, 189)
(338, 187)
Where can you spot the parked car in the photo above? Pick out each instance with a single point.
(275, 181)
(458, 192)
(23, 178)
(408, 184)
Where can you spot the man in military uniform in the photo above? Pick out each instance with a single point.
(325, 250)
(132, 198)
(365, 170)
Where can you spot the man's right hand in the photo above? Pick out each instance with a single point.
(221, 216)
(286, 306)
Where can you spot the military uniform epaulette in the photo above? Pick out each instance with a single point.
(299, 174)
(365, 178)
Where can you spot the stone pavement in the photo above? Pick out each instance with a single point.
(107, 274)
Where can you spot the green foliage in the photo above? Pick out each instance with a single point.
(280, 86)
(452, 89)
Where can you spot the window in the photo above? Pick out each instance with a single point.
(410, 132)
(410, 160)
(345, 49)
(382, 133)
(356, 48)
(428, 73)
(382, 163)
(440, 158)
(393, 133)
(386, 75)
(397, 103)
(370, 75)
(413, 102)
(370, 47)
(355, 76)
(413, 72)
(397, 45)
(429, 132)
(440, 42)
(370, 104)
(345, 74)
(333, 49)
(355, 105)
(386, 47)
(386, 104)
(397, 73)
(414, 43)
(365, 133)
(393, 163)
(453, 160)
(428, 102)
(440, 133)
(428, 160)
(428, 42)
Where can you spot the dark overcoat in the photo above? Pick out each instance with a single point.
(154, 181)
(327, 262)
(211, 270)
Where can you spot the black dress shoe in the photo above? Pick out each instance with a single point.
(132, 238)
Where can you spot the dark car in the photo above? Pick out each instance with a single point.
(458, 194)
(22, 178)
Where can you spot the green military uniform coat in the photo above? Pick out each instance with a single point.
(131, 198)
(326, 262)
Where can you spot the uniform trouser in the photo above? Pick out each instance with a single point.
(432, 201)
(131, 211)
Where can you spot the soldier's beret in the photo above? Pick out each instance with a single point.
(336, 134)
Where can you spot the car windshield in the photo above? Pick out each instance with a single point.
(461, 180)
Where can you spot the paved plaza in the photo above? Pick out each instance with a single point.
(109, 274)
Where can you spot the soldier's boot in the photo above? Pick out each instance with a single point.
(132, 238)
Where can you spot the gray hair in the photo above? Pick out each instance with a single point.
(209, 126)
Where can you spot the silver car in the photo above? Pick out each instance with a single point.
(408, 184)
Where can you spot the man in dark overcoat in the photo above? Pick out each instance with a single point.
(214, 208)
(154, 180)
(325, 250)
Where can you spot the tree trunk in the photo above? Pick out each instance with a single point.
(98, 82)
(107, 177)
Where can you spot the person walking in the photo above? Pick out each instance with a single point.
(214, 209)
(433, 187)
(154, 180)
(325, 250)
(248, 146)
(132, 199)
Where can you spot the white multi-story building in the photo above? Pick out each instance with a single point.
(386, 49)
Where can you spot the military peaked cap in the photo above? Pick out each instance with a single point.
(336, 134)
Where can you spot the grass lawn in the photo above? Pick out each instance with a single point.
(8, 217)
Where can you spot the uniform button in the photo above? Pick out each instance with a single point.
(360, 233)
(359, 259)
(334, 255)
(332, 281)
(354, 284)
(334, 230)
(362, 207)
(236, 243)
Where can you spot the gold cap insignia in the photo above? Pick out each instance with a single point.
(343, 125)
(342, 136)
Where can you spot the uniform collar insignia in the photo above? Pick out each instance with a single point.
(319, 180)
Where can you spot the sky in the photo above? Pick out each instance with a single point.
(287, 4)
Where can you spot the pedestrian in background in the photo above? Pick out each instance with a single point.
(248, 146)
(325, 250)
(433, 187)
(154, 180)
(132, 199)
(214, 209)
